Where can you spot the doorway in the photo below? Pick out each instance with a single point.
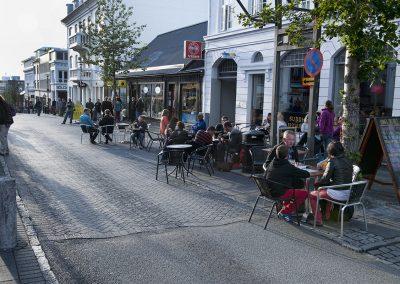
(227, 75)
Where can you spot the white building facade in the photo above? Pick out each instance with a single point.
(238, 72)
(84, 80)
(29, 77)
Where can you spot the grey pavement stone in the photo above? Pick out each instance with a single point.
(375, 252)
(384, 249)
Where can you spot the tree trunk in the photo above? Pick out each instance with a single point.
(351, 105)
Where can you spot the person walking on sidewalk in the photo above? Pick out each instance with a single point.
(90, 105)
(38, 107)
(69, 112)
(107, 104)
(90, 126)
(118, 109)
(325, 124)
(5, 122)
(97, 110)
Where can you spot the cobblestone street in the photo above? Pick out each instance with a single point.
(103, 200)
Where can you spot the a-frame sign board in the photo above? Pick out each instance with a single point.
(381, 140)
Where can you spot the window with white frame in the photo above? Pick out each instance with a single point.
(255, 6)
(226, 15)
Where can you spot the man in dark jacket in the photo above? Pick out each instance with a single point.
(5, 122)
(90, 106)
(38, 106)
(107, 119)
(286, 181)
(107, 104)
(97, 110)
(289, 140)
(70, 111)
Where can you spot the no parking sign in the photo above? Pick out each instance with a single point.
(313, 62)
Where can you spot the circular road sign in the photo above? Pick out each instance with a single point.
(313, 62)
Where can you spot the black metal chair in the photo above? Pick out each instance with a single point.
(154, 137)
(264, 185)
(258, 157)
(203, 155)
(175, 158)
(108, 130)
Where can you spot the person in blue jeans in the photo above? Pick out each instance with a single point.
(69, 112)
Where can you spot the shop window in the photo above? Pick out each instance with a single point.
(294, 96)
(257, 99)
(153, 98)
(190, 102)
(376, 99)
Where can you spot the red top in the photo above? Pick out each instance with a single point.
(163, 124)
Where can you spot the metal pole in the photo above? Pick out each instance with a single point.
(276, 86)
(313, 103)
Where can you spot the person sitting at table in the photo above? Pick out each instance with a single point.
(139, 129)
(179, 135)
(200, 124)
(339, 170)
(107, 119)
(229, 142)
(203, 138)
(289, 181)
(87, 122)
(219, 128)
(171, 126)
(289, 139)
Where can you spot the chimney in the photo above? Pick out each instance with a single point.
(70, 8)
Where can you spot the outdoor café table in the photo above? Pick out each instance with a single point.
(179, 166)
(314, 174)
(123, 126)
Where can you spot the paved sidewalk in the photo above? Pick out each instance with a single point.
(20, 265)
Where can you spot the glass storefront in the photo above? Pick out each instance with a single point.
(257, 99)
(294, 96)
(153, 98)
(190, 102)
(375, 99)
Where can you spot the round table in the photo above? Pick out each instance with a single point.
(179, 146)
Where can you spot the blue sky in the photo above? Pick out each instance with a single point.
(28, 25)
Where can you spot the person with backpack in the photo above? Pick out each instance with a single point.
(69, 112)
(5, 122)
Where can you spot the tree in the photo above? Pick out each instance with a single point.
(113, 40)
(366, 28)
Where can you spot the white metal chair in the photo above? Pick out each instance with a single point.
(357, 190)
(84, 131)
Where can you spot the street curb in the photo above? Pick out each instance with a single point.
(32, 236)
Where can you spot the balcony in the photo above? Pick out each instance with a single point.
(80, 75)
(77, 42)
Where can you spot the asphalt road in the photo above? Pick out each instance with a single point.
(102, 218)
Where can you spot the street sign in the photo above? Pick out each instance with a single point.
(192, 49)
(313, 62)
(307, 81)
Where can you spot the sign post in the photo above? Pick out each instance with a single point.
(313, 62)
(381, 141)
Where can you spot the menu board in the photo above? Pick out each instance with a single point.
(382, 140)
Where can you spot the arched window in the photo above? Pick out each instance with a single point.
(258, 57)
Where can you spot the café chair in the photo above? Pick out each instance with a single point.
(202, 155)
(154, 137)
(357, 190)
(303, 153)
(85, 131)
(172, 158)
(264, 185)
(258, 157)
